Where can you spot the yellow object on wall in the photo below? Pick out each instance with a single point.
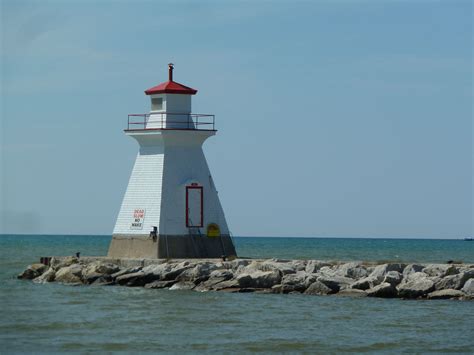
(213, 230)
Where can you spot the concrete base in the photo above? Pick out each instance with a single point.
(170, 247)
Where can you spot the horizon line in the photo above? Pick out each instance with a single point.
(256, 236)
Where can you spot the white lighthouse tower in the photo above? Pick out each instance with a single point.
(171, 208)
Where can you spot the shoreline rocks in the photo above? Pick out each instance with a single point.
(309, 277)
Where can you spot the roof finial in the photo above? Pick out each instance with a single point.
(170, 71)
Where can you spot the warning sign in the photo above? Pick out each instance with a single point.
(138, 218)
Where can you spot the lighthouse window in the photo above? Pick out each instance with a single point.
(156, 103)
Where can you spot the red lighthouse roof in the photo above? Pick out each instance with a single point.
(170, 86)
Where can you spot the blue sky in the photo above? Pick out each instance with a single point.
(335, 118)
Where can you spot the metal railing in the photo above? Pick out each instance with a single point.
(170, 121)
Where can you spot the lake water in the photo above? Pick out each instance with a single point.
(59, 318)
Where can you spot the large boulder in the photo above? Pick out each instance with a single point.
(385, 290)
(313, 266)
(298, 265)
(33, 271)
(47, 276)
(71, 274)
(393, 278)
(60, 262)
(176, 270)
(380, 271)
(450, 282)
(415, 286)
(126, 271)
(215, 279)
(445, 294)
(259, 279)
(411, 269)
(295, 282)
(440, 270)
(466, 275)
(318, 288)
(283, 267)
(468, 288)
(159, 270)
(365, 283)
(353, 270)
(239, 264)
(273, 265)
(200, 272)
(335, 283)
(95, 270)
(135, 279)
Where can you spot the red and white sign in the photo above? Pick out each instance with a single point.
(138, 218)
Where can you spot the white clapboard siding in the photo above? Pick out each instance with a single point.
(143, 192)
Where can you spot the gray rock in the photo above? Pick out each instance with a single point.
(380, 271)
(215, 279)
(104, 280)
(440, 270)
(449, 282)
(176, 270)
(183, 285)
(310, 278)
(136, 279)
(268, 265)
(221, 274)
(328, 271)
(91, 277)
(365, 283)
(393, 278)
(167, 271)
(318, 288)
(468, 287)
(445, 294)
(259, 279)
(335, 283)
(126, 271)
(298, 265)
(467, 274)
(58, 263)
(295, 282)
(239, 263)
(94, 270)
(199, 272)
(224, 285)
(47, 276)
(284, 268)
(69, 274)
(313, 266)
(415, 276)
(354, 270)
(411, 268)
(33, 271)
(385, 290)
(107, 268)
(416, 286)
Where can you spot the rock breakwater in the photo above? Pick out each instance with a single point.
(311, 277)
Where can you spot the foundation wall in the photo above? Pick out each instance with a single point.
(170, 247)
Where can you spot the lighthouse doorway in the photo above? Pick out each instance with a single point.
(194, 206)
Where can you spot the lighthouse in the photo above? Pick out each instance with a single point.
(171, 208)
